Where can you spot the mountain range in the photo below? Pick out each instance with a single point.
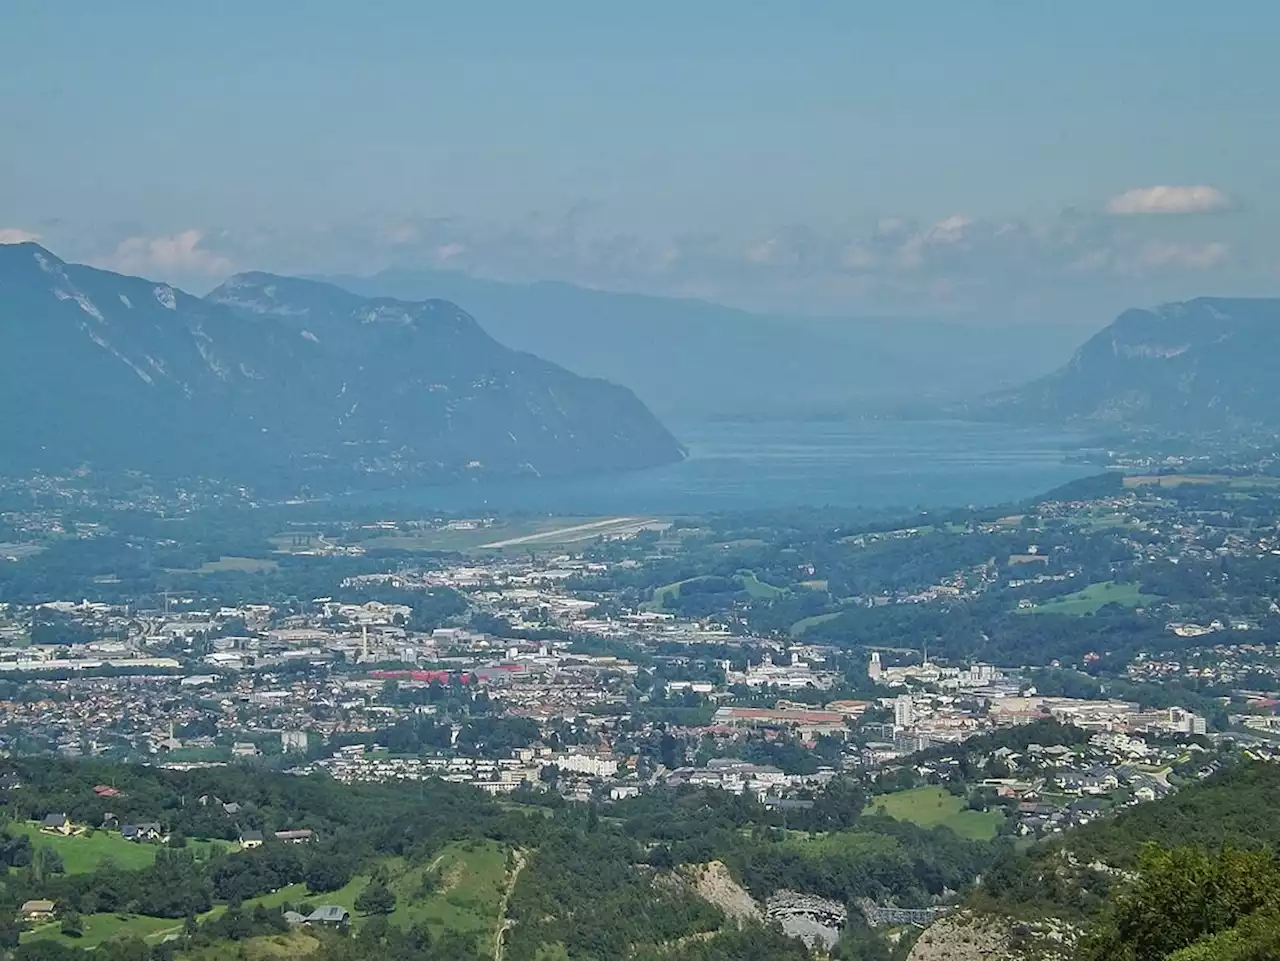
(690, 360)
(299, 378)
(271, 374)
(1207, 364)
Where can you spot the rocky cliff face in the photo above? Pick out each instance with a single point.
(967, 936)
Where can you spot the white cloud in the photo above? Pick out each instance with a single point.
(16, 235)
(952, 230)
(764, 253)
(1168, 200)
(1192, 256)
(178, 253)
(1055, 266)
(450, 251)
(403, 234)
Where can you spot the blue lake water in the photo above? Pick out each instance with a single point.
(748, 466)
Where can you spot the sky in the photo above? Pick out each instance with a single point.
(1004, 162)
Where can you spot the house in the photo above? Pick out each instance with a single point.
(331, 915)
(250, 839)
(149, 831)
(293, 918)
(38, 910)
(104, 790)
(298, 836)
(56, 824)
(231, 807)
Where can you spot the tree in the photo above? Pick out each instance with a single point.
(1183, 895)
(376, 898)
(328, 872)
(72, 923)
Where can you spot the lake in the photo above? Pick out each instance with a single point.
(748, 466)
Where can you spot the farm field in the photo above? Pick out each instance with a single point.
(280, 947)
(1179, 480)
(460, 890)
(749, 583)
(931, 807)
(1093, 598)
(83, 853)
(243, 565)
(106, 927)
(758, 588)
(850, 844)
(799, 627)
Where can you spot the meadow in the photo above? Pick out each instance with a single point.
(931, 807)
(1091, 599)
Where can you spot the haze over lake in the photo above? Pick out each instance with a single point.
(749, 466)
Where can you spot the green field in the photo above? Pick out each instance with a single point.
(799, 627)
(464, 893)
(231, 565)
(244, 565)
(1093, 598)
(853, 844)
(750, 583)
(660, 594)
(469, 879)
(105, 927)
(279, 947)
(465, 890)
(84, 853)
(932, 807)
(1180, 480)
(758, 588)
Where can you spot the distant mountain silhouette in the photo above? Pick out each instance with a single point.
(693, 359)
(1204, 364)
(271, 375)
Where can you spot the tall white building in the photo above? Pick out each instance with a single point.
(873, 669)
(903, 711)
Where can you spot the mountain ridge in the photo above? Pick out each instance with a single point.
(1201, 364)
(127, 372)
(695, 359)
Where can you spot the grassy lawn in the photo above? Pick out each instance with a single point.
(1091, 599)
(463, 892)
(800, 626)
(758, 588)
(246, 565)
(750, 583)
(279, 947)
(846, 843)
(105, 927)
(932, 807)
(660, 594)
(459, 890)
(1179, 480)
(84, 853)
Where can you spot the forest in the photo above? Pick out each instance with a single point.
(582, 882)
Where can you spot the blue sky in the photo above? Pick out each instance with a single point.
(907, 158)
